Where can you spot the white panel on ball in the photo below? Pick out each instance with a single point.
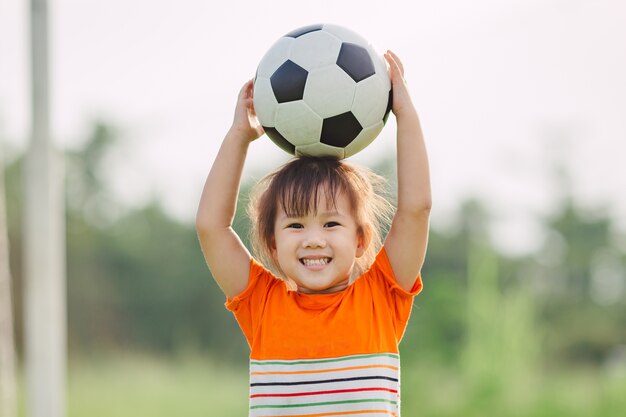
(296, 121)
(368, 108)
(320, 149)
(363, 139)
(275, 57)
(315, 49)
(381, 67)
(329, 91)
(265, 102)
(345, 34)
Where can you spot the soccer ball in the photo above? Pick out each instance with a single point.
(322, 90)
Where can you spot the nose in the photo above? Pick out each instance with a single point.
(314, 240)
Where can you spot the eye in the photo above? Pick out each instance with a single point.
(332, 224)
(295, 226)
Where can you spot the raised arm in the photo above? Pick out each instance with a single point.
(227, 257)
(408, 236)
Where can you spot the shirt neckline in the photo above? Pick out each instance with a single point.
(319, 301)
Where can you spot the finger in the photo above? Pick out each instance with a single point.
(246, 89)
(250, 106)
(394, 68)
(393, 54)
(396, 59)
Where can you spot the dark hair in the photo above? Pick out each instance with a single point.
(296, 187)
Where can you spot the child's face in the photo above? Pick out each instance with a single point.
(318, 251)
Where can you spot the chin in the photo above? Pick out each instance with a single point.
(313, 288)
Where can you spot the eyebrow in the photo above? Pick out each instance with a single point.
(323, 214)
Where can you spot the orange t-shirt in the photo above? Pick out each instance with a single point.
(324, 354)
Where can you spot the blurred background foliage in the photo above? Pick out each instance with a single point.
(535, 335)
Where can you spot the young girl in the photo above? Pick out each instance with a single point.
(324, 325)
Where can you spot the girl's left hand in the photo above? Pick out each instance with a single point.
(401, 97)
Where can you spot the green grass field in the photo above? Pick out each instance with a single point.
(138, 385)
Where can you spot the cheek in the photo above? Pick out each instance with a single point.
(279, 243)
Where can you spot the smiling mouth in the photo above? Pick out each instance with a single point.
(315, 262)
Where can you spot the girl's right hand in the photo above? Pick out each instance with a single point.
(245, 122)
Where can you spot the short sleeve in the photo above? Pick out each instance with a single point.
(383, 267)
(249, 305)
(386, 290)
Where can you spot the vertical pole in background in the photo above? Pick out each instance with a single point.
(8, 390)
(44, 242)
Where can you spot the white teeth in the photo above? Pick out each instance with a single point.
(315, 262)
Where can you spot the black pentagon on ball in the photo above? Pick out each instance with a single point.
(279, 140)
(340, 130)
(288, 82)
(303, 31)
(355, 61)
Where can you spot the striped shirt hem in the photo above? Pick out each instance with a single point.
(363, 385)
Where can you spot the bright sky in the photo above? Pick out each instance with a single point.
(502, 87)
